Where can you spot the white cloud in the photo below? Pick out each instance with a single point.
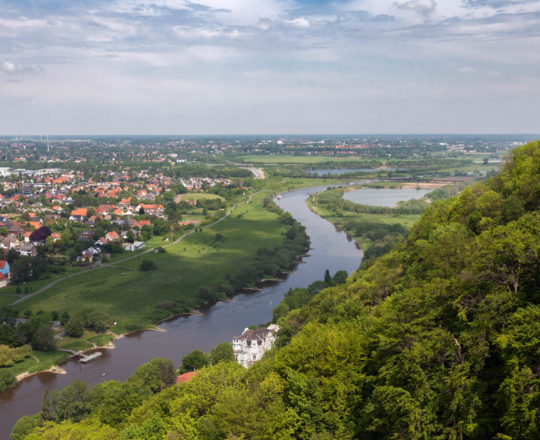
(189, 32)
(8, 67)
(299, 22)
(420, 11)
(247, 12)
(466, 69)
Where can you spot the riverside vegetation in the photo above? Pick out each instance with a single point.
(438, 338)
(260, 240)
(376, 229)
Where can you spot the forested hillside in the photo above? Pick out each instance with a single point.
(438, 339)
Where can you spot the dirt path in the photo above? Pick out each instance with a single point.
(178, 240)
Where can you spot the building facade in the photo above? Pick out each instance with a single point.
(250, 346)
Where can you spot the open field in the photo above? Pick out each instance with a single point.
(129, 296)
(7, 299)
(281, 159)
(197, 196)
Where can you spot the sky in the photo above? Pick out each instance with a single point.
(269, 66)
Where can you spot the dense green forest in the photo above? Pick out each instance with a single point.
(437, 339)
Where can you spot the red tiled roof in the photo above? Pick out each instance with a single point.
(80, 211)
(186, 377)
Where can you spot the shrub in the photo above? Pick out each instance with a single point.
(147, 265)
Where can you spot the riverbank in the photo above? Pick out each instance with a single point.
(230, 284)
(54, 369)
(375, 230)
(220, 322)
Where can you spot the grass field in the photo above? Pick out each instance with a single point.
(199, 196)
(129, 295)
(281, 159)
(7, 299)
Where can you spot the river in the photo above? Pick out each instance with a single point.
(330, 249)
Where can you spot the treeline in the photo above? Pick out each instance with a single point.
(438, 339)
(381, 236)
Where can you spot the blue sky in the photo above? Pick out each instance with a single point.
(269, 66)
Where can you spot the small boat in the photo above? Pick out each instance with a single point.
(90, 357)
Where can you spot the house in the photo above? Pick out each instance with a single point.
(186, 377)
(11, 241)
(86, 257)
(78, 215)
(113, 236)
(156, 210)
(252, 344)
(104, 209)
(27, 250)
(94, 250)
(135, 246)
(4, 269)
(101, 241)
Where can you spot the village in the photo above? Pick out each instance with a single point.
(69, 217)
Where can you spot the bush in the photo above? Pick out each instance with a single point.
(7, 380)
(194, 361)
(74, 327)
(222, 353)
(147, 265)
(43, 339)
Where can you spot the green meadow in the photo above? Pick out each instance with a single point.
(199, 196)
(129, 295)
(282, 159)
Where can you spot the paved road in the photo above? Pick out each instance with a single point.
(51, 284)
(257, 172)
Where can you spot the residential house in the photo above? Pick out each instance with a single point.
(149, 209)
(186, 377)
(10, 242)
(78, 215)
(252, 344)
(27, 250)
(135, 246)
(113, 236)
(4, 269)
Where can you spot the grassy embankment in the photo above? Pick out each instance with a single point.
(128, 295)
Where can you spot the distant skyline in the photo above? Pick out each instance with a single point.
(269, 66)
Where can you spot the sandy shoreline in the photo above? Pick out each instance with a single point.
(54, 369)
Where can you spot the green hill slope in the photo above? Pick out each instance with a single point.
(438, 339)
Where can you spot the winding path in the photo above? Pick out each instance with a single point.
(147, 251)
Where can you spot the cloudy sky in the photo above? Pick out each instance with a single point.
(269, 66)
